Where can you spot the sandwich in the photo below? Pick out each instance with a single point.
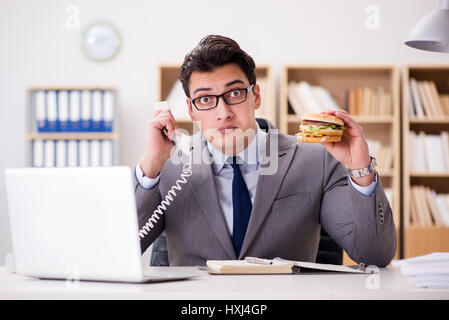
(317, 127)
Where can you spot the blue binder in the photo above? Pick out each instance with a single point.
(74, 111)
(63, 111)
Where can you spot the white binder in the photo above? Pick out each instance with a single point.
(49, 153)
(84, 153)
(106, 153)
(61, 153)
(38, 153)
(95, 153)
(72, 153)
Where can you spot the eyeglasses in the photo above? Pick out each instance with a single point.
(234, 96)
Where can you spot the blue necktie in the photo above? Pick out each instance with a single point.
(241, 204)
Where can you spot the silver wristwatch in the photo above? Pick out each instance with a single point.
(357, 173)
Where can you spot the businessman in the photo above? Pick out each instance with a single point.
(231, 206)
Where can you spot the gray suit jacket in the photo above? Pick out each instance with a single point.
(310, 189)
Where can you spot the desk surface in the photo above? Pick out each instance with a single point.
(391, 285)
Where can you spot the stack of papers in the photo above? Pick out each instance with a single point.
(431, 271)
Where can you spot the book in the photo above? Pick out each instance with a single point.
(253, 265)
(443, 208)
(417, 102)
(304, 97)
(434, 153)
(445, 147)
(244, 267)
(426, 103)
(431, 201)
(414, 216)
(433, 93)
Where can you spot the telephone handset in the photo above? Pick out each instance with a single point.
(185, 143)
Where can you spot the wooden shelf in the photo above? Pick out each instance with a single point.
(424, 240)
(108, 141)
(419, 240)
(337, 79)
(38, 88)
(432, 175)
(429, 120)
(360, 119)
(74, 136)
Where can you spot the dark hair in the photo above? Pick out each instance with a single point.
(214, 51)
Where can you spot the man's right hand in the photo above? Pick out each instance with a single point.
(158, 145)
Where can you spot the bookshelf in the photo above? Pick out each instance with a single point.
(97, 145)
(342, 82)
(420, 237)
(169, 89)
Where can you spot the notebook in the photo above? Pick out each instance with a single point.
(252, 265)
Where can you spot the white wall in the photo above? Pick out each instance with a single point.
(36, 48)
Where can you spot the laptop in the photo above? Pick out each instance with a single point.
(78, 223)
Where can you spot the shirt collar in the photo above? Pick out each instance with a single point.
(251, 155)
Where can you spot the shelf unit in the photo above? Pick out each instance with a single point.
(419, 240)
(337, 79)
(34, 135)
(169, 74)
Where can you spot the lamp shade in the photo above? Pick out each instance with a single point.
(431, 33)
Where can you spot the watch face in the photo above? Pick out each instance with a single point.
(101, 41)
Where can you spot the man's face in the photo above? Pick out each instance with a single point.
(229, 128)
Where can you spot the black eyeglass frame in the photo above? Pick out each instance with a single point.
(218, 96)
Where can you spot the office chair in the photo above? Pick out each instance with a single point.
(328, 251)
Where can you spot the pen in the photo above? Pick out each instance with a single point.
(258, 260)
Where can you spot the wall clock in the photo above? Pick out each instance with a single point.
(101, 41)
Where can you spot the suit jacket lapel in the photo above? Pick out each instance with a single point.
(267, 188)
(203, 187)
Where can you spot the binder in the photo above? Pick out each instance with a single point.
(72, 153)
(37, 153)
(75, 111)
(86, 111)
(61, 153)
(106, 153)
(97, 114)
(83, 154)
(49, 153)
(63, 111)
(95, 153)
(52, 111)
(108, 110)
(39, 110)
